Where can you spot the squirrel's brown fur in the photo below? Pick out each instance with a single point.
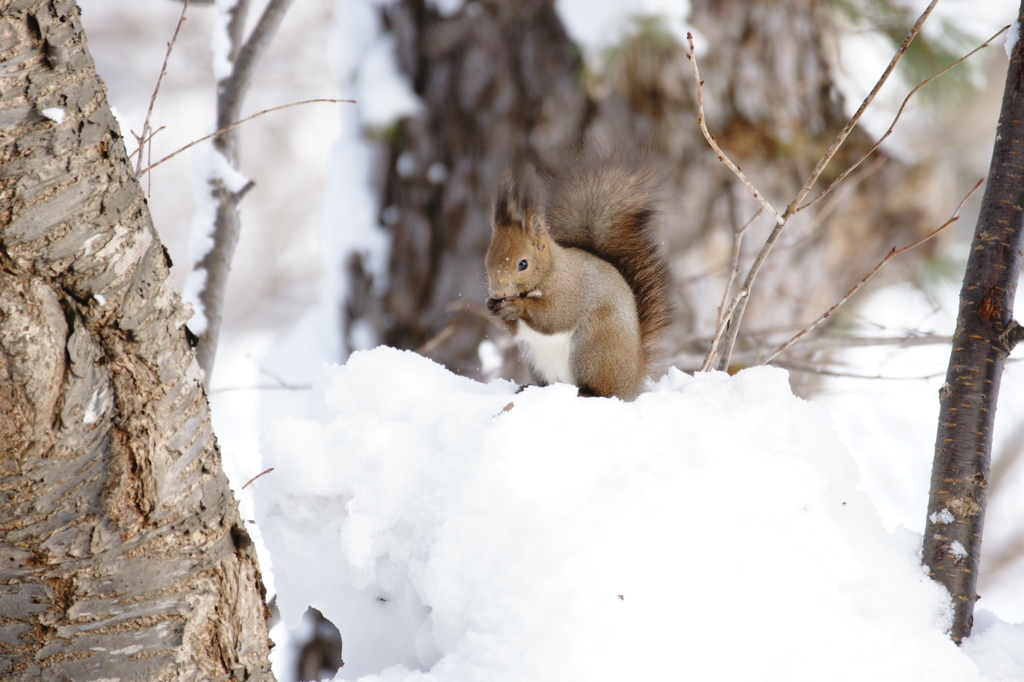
(573, 261)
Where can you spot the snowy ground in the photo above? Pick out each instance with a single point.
(712, 529)
(502, 541)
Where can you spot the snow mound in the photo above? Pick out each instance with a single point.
(710, 530)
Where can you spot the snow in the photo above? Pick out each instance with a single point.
(490, 356)
(95, 407)
(55, 114)
(942, 517)
(597, 26)
(996, 647)
(457, 530)
(209, 167)
(220, 41)
(447, 8)
(1011, 38)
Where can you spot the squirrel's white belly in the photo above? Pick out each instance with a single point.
(548, 353)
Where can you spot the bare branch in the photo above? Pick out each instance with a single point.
(743, 296)
(438, 339)
(233, 389)
(262, 473)
(810, 369)
(826, 343)
(845, 132)
(215, 133)
(734, 271)
(692, 56)
(141, 142)
(894, 252)
(878, 143)
(232, 90)
(216, 263)
(156, 90)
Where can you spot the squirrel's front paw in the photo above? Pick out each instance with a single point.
(505, 308)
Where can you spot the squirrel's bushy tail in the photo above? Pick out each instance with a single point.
(606, 206)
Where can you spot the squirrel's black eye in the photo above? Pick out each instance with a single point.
(523, 264)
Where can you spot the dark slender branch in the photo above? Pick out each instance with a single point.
(967, 402)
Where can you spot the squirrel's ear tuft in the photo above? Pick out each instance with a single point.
(517, 200)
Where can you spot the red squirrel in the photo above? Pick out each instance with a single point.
(577, 275)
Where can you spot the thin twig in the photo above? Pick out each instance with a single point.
(845, 132)
(722, 328)
(734, 271)
(894, 252)
(139, 141)
(262, 473)
(233, 389)
(830, 207)
(156, 90)
(741, 301)
(215, 133)
(892, 127)
(452, 327)
(828, 343)
(692, 56)
(438, 339)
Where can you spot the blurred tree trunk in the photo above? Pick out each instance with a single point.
(122, 554)
(985, 334)
(502, 80)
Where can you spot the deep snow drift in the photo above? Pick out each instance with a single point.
(710, 530)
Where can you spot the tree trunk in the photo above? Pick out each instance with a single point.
(985, 335)
(504, 81)
(122, 554)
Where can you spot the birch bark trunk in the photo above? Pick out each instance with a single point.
(122, 554)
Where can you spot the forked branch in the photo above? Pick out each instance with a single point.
(729, 323)
(892, 126)
(893, 253)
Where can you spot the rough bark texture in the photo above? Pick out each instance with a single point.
(122, 554)
(985, 335)
(502, 81)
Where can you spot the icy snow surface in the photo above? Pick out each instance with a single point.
(710, 530)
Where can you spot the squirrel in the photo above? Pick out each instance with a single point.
(577, 275)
